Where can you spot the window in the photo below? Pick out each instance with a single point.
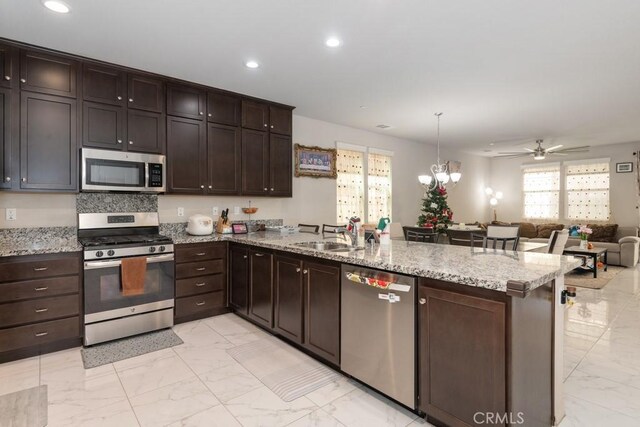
(363, 184)
(541, 191)
(587, 190)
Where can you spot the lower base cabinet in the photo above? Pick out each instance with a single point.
(201, 280)
(261, 287)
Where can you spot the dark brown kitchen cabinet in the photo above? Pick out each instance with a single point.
(103, 126)
(201, 278)
(145, 93)
(145, 131)
(261, 287)
(280, 120)
(40, 304)
(186, 101)
(322, 309)
(280, 166)
(186, 155)
(239, 278)
(223, 108)
(224, 159)
(8, 65)
(453, 326)
(48, 145)
(104, 84)
(50, 74)
(5, 138)
(255, 162)
(255, 115)
(289, 297)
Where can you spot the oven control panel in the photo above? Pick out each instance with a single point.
(155, 175)
(126, 252)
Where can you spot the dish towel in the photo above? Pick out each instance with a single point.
(133, 272)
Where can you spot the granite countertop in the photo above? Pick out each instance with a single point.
(42, 240)
(490, 269)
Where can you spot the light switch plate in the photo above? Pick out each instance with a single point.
(11, 214)
(180, 211)
(236, 210)
(214, 211)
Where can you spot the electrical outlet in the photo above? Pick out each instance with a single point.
(180, 211)
(214, 211)
(236, 210)
(11, 214)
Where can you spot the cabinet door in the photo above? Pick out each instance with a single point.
(48, 145)
(453, 326)
(261, 287)
(145, 93)
(239, 280)
(102, 126)
(255, 115)
(255, 162)
(145, 132)
(224, 152)
(186, 155)
(289, 301)
(5, 138)
(322, 310)
(7, 60)
(280, 166)
(280, 120)
(185, 101)
(54, 75)
(104, 85)
(223, 108)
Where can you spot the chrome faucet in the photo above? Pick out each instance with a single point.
(353, 233)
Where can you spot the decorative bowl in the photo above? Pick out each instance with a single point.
(249, 210)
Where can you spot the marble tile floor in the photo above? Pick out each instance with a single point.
(199, 384)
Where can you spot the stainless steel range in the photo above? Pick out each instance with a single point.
(109, 311)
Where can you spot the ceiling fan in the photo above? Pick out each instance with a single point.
(539, 153)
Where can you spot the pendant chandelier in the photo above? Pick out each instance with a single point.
(441, 173)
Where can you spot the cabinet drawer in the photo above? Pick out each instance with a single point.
(41, 333)
(199, 303)
(199, 285)
(188, 253)
(37, 310)
(204, 268)
(15, 291)
(36, 269)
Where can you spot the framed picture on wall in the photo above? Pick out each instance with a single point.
(626, 167)
(315, 161)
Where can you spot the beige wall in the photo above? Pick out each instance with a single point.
(506, 175)
(314, 198)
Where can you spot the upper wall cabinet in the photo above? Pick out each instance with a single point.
(255, 115)
(104, 84)
(7, 65)
(280, 120)
(223, 108)
(146, 93)
(5, 138)
(185, 101)
(53, 75)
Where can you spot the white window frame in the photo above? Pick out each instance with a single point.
(524, 168)
(565, 191)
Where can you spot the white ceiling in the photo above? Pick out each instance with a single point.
(500, 70)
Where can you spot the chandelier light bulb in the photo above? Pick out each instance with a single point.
(455, 177)
(425, 179)
(493, 201)
(498, 195)
(488, 191)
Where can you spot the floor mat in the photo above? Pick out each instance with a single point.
(24, 408)
(584, 278)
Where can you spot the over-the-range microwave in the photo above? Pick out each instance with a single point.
(105, 170)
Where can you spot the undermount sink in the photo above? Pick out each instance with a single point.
(328, 246)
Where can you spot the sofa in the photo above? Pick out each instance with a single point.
(622, 243)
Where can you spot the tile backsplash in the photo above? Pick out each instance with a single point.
(116, 202)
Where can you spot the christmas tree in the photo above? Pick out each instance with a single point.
(436, 213)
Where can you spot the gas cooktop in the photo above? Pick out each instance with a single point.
(130, 239)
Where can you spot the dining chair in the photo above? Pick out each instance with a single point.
(463, 238)
(415, 236)
(309, 228)
(557, 241)
(499, 237)
(334, 229)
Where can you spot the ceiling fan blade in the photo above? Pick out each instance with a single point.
(555, 147)
(582, 149)
(530, 150)
(512, 155)
(557, 153)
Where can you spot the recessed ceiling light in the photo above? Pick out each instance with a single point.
(251, 64)
(56, 6)
(492, 144)
(363, 107)
(333, 42)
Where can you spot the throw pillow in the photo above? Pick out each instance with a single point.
(544, 230)
(527, 229)
(603, 233)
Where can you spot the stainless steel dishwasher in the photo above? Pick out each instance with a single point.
(378, 333)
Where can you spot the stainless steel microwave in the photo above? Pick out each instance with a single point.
(105, 170)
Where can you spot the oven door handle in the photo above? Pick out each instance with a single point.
(92, 265)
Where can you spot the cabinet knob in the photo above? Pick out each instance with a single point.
(271, 188)
(265, 125)
(201, 113)
(210, 187)
(130, 99)
(209, 115)
(8, 179)
(423, 300)
(199, 304)
(23, 80)
(258, 254)
(201, 284)
(266, 189)
(130, 142)
(40, 268)
(202, 186)
(119, 141)
(271, 126)
(297, 269)
(7, 77)
(119, 98)
(244, 256)
(305, 271)
(24, 179)
(41, 310)
(41, 334)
